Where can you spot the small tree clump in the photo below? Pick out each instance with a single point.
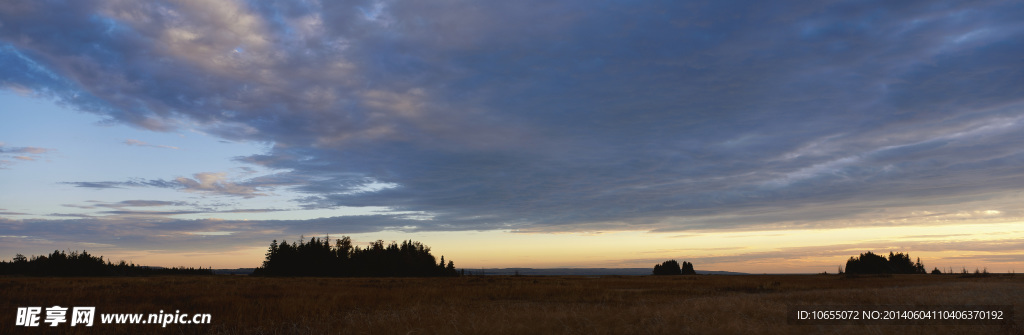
(870, 263)
(671, 267)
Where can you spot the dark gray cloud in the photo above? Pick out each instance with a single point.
(559, 116)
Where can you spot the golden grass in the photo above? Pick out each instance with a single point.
(503, 304)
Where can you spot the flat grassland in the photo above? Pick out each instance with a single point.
(755, 304)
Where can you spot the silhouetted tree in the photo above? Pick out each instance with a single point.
(669, 267)
(936, 271)
(688, 269)
(918, 266)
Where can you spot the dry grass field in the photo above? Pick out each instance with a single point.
(754, 304)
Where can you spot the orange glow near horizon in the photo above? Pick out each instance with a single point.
(970, 246)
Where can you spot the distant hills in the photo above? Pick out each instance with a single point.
(240, 271)
(582, 272)
(535, 272)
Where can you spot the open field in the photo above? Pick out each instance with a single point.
(503, 304)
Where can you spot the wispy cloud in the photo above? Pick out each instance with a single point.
(23, 150)
(20, 153)
(216, 183)
(128, 203)
(183, 212)
(149, 232)
(138, 143)
(204, 182)
(123, 184)
(129, 207)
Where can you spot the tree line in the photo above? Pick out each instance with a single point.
(870, 263)
(60, 263)
(671, 267)
(317, 257)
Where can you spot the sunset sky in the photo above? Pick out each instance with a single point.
(740, 136)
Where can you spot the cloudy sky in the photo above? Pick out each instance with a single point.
(751, 137)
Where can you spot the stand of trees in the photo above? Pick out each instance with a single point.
(318, 257)
(60, 263)
(671, 267)
(870, 263)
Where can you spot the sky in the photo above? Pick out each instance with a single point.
(747, 136)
